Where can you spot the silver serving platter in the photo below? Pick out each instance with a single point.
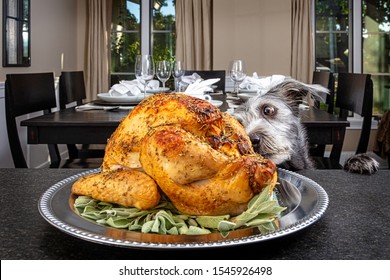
(306, 202)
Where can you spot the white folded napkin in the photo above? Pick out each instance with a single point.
(201, 86)
(261, 85)
(133, 87)
(187, 80)
(125, 88)
(153, 84)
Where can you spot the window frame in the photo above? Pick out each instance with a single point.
(355, 47)
(146, 35)
(22, 47)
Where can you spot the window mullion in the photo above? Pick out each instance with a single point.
(357, 37)
(145, 26)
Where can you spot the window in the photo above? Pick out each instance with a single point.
(16, 33)
(354, 36)
(140, 26)
(332, 35)
(163, 30)
(376, 50)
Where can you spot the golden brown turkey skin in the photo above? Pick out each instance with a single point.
(194, 115)
(123, 187)
(198, 179)
(201, 158)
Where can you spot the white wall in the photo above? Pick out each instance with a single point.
(5, 153)
(257, 31)
(57, 27)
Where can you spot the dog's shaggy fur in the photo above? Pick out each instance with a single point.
(362, 164)
(272, 122)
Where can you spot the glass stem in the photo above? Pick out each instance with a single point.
(177, 85)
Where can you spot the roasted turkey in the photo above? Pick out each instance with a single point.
(199, 157)
(123, 187)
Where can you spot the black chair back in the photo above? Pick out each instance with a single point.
(72, 93)
(326, 79)
(25, 94)
(355, 94)
(211, 74)
(72, 88)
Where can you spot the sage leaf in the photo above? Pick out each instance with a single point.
(257, 222)
(197, 230)
(147, 227)
(118, 223)
(226, 226)
(211, 221)
(262, 210)
(267, 227)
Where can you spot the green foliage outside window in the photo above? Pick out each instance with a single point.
(126, 36)
(333, 39)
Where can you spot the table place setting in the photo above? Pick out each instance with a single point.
(233, 100)
(197, 85)
(249, 86)
(256, 85)
(199, 88)
(125, 99)
(131, 91)
(135, 87)
(260, 84)
(91, 106)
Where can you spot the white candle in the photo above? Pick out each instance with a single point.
(62, 61)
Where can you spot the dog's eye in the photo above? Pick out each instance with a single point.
(269, 111)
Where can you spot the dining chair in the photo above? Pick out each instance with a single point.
(211, 74)
(26, 94)
(325, 79)
(354, 95)
(71, 88)
(72, 93)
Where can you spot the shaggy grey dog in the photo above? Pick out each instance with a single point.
(272, 122)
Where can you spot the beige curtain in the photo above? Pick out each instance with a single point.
(98, 47)
(302, 49)
(194, 33)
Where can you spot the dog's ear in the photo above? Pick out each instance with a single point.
(296, 93)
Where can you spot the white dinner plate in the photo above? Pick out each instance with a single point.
(133, 99)
(246, 96)
(244, 90)
(304, 199)
(216, 103)
(160, 89)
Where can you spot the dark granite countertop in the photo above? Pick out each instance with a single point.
(356, 224)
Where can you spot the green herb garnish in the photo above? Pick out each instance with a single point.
(263, 210)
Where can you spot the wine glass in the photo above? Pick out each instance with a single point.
(237, 73)
(178, 72)
(144, 69)
(163, 71)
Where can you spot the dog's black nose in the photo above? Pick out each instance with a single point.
(255, 139)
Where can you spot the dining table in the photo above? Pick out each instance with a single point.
(353, 226)
(71, 126)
